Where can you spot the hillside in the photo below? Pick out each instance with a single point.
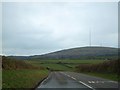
(81, 53)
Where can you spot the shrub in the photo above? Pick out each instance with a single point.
(8, 63)
(107, 66)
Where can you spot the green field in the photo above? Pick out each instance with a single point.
(66, 65)
(22, 78)
(66, 61)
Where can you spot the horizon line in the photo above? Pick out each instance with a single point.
(59, 50)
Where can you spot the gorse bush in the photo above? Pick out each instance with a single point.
(8, 64)
(105, 67)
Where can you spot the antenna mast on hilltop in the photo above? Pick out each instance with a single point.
(90, 37)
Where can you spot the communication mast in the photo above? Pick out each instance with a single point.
(90, 37)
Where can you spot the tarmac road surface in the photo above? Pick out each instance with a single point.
(76, 81)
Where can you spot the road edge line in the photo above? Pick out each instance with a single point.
(44, 81)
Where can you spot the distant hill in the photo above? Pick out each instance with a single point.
(20, 57)
(81, 53)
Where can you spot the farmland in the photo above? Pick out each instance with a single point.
(66, 65)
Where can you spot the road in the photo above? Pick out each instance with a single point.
(76, 81)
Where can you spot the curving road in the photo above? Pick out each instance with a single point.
(77, 81)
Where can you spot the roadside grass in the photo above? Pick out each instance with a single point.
(110, 76)
(22, 78)
(19, 74)
(1, 79)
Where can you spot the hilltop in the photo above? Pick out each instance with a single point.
(81, 53)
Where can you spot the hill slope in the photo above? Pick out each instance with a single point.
(81, 53)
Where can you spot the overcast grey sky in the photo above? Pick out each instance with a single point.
(37, 28)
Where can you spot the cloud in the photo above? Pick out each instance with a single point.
(36, 28)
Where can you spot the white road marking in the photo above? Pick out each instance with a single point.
(89, 81)
(68, 75)
(73, 78)
(102, 82)
(86, 85)
(43, 81)
(79, 81)
(95, 81)
(92, 81)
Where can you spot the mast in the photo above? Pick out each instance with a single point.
(90, 37)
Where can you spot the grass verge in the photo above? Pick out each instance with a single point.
(22, 78)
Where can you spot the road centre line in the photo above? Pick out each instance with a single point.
(102, 82)
(86, 85)
(79, 81)
(73, 78)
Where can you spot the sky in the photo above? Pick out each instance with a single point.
(43, 27)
